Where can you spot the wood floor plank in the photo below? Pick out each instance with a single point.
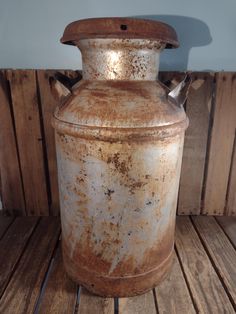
(172, 294)
(207, 291)
(229, 226)
(60, 294)
(221, 144)
(29, 139)
(221, 251)
(141, 304)
(90, 304)
(12, 195)
(12, 246)
(4, 224)
(198, 109)
(24, 287)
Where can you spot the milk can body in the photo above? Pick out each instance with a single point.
(119, 141)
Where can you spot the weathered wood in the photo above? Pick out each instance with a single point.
(172, 294)
(198, 107)
(91, 304)
(48, 104)
(231, 197)
(221, 145)
(24, 287)
(12, 195)
(60, 294)
(29, 138)
(4, 224)
(207, 291)
(14, 243)
(229, 227)
(144, 303)
(221, 251)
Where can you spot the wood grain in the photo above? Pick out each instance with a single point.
(207, 291)
(221, 144)
(221, 251)
(48, 104)
(172, 294)
(29, 138)
(141, 304)
(231, 197)
(12, 195)
(229, 227)
(23, 290)
(14, 243)
(198, 108)
(4, 224)
(60, 294)
(90, 304)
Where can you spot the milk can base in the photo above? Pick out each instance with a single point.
(120, 286)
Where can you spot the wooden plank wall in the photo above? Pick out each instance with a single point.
(28, 177)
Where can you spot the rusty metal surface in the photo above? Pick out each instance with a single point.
(120, 27)
(119, 150)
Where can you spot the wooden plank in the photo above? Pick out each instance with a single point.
(221, 251)
(12, 246)
(207, 291)
(24, 287)
(231, 197)
(91, 304)
(48, 104)
(12, 195)
(29, 138)
(198, 108)
(229, 227)
(144, 303)
(221, 145)
(60, 294)
(4, 224)
(172, 294)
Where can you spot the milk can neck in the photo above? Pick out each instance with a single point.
(120, 59)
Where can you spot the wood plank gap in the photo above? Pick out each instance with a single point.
(221, 146)
(230, 234)
(208, 292)
(77, 299)
(211, 120)
(15, 135)
(31, 269)
(155, 300)
(4, 227)
(116, 305)
(11, 174)
(186, 279)
(44, 147)
(19, 258)
(230, 240)
(213, 264)
(29, 137)
(47, 273)
(229, 208)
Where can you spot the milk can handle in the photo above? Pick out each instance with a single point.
(179, 94)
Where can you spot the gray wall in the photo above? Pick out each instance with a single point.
(30, 31)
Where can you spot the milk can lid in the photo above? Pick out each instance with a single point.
(119, 27)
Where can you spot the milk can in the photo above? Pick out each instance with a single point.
(119, 140)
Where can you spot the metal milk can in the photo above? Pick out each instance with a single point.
(119, 140)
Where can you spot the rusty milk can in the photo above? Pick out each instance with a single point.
(119, 140)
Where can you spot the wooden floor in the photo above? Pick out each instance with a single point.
(203, 278)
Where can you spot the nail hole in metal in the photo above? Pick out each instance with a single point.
(123, 27)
